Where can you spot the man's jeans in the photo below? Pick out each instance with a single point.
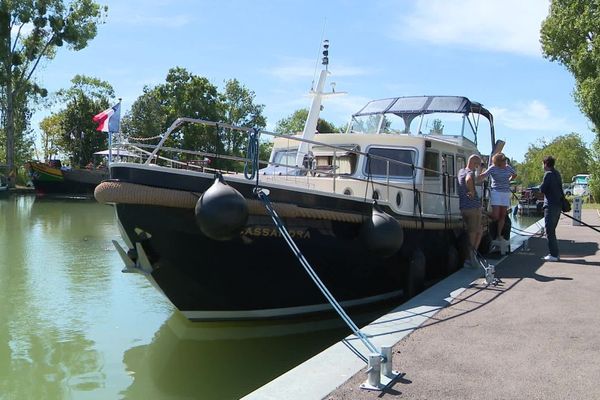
(551, 216)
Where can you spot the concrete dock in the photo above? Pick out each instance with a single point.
(535, 336)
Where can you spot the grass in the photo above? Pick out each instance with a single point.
(592, 206)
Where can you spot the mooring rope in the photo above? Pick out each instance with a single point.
(311, 272)
(417, 198)
(252, 150)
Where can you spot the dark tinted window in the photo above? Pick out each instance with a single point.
(400, 167)
(432, 163)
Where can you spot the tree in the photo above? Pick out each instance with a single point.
(594, 182)
(570, 35)
(237, 103)
(182, 95)
(31, 31)
(295, 123)
(188, 95)
(437, 128)
(23, 140)
(571, 154)
(51, 127)
(79, 138)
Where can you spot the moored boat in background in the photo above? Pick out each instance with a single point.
(53, 179)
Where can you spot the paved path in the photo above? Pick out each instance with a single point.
(537, 336)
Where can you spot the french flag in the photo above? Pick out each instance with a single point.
(108, 120)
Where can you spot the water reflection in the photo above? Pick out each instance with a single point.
(67, 312)
(217, 361)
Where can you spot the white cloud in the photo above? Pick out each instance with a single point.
(531, 116)
(500, 25)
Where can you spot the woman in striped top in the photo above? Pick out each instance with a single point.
(501, 174)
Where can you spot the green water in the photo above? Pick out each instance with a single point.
(75, 327)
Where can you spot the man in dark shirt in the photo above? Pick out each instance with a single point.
(552, 188)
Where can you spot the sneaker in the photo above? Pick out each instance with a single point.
(550, 257)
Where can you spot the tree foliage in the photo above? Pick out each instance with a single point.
(295, 123)
(569, 35)
(187, 95)
(571, 154)
(85, 98)
(594, 182)
(51, 127)
(23, 142)
(31, 31)
(237, 103)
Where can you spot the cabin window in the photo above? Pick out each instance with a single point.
(448, 161)
(400, 164)
(461, 162)
(432, 164)
(339, 161)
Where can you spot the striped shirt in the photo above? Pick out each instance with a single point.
(500, 177)
(464, 201)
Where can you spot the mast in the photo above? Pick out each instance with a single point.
(310, 126)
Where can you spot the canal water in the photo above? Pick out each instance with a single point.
(73, 326)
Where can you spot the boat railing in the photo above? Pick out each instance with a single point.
(205, 161)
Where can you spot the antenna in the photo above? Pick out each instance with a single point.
(326, 53)
(312, 84)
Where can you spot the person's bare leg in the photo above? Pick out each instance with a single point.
(477, 241)
(495, 212)
(501, 217)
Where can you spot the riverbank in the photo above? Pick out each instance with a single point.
(534, 336)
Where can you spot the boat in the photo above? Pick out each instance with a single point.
(373, 210)
(51, 178)
(531, 202)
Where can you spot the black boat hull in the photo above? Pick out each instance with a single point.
(256, 275)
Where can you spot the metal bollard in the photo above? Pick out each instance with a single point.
(388, 374)
(380, 372)
(373, 381)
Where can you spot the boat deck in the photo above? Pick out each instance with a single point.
(534, 336)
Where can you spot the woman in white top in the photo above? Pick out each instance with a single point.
(500, 193)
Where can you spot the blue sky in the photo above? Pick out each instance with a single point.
(487, 50)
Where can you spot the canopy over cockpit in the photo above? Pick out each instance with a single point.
(378, 116)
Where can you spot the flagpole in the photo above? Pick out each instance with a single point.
(110, 135)
(109, 148)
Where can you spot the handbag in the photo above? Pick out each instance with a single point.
(565, 204)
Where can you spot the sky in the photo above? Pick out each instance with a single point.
(488, 51)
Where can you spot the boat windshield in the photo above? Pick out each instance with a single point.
(424, 124)
(284, 157)
(423, 115)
